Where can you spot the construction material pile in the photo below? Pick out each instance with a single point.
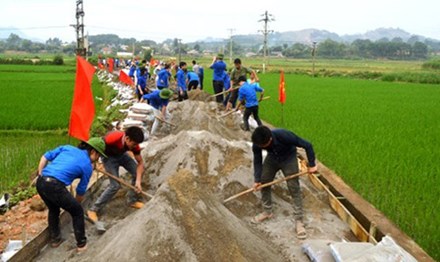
(190, 170)
(202, 161)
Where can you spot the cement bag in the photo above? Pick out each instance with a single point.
(318, 250)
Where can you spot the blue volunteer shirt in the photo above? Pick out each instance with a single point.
(248, 93)
(181, 84)
(163, 78)
(68, 163)
(155, 100)
(226, 81)
(283, 148)
(132, 70)
(142, 81)
(219, 68)
(192, 76)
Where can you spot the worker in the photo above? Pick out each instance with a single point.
(56, 170)
(236, 72)
(117, 143)
(181, 81)
(159, 100)
(280, 145)
(248, 93)
(163, 77)
(219, 68)
(192, 80)
(141, 86)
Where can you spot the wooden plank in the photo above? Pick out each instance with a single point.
(358, 230)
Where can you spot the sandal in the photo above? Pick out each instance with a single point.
(56, 242)
(261, 217)
(301, 232)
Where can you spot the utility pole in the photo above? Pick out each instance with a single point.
(266, 19)
(231, 32)
(79, 28)
(179, 41)
(313, 57)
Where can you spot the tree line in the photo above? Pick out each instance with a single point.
(395, 49)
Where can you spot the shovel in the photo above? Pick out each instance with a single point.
(99, 225)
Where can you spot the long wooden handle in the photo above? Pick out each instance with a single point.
(120, 180)
(226, 91)
(165, 121)
(265, 185)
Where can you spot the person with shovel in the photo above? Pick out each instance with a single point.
(280, 145)
(247, 95)
(117, 143)
(56, 170)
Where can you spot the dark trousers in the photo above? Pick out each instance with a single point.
(193, 85)
(289, 167)
(218, 88)
(247, 113)
(233, 97)
(201, 82)
(183, 96)
(56, 196)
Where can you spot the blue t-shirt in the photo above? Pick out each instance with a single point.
(192, 77)
(181, 84)
(155, 100)
(201, 71)
(142, 81)
(248, 92)
(163, 78)
(68, 163)
(219, 68)
(132, 70)
(226, 81)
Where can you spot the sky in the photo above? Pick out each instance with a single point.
(197, 19)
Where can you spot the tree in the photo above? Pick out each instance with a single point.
(332, 49)
(419, 50)
(13, 42)
(197, 47)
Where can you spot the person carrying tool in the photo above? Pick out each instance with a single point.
(236, 72)
(56, 170)
(280, 145)
(159, 100)
(117, 143)
(248, 93)
(219, 68)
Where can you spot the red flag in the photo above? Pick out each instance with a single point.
(111, 63)
(152, 62)
(282, 89)
(124, 78)
(83, 107)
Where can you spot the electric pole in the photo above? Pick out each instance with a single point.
(179, 41)
(231, 32)
(266, 19)
(313, 57)
(79, 28)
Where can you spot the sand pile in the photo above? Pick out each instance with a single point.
(203, 160)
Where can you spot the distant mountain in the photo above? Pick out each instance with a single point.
(5, 32)
(307, 36)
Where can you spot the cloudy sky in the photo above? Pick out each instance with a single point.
(197, 19)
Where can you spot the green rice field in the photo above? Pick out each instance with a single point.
(381, 138)
(34, 116)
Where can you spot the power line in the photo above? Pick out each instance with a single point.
(32, 28)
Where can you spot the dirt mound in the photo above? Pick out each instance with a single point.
(184, 222)
(198, 115)
(204, 160)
